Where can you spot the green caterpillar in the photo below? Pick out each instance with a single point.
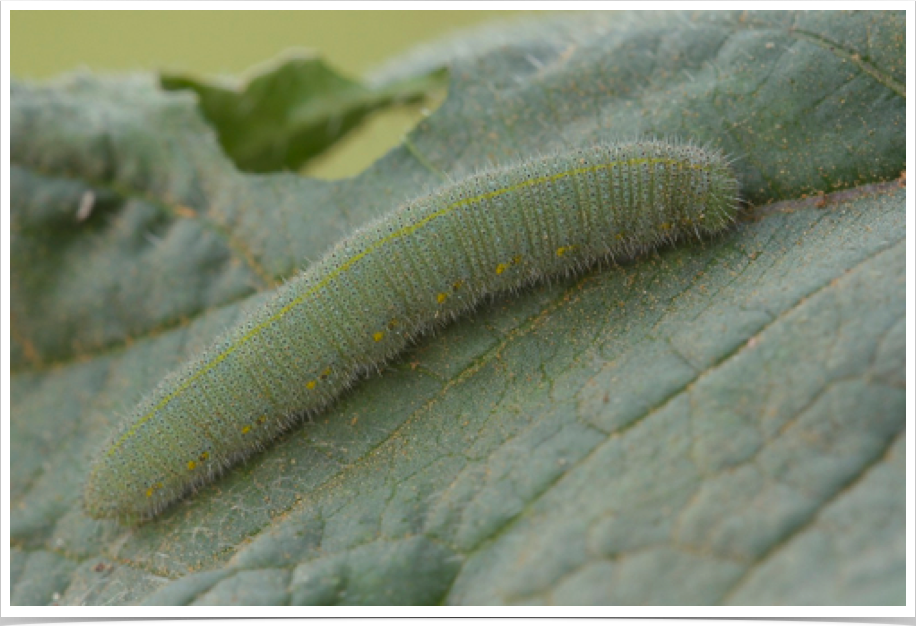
(376, 291)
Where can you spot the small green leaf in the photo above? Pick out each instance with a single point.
(291, 113)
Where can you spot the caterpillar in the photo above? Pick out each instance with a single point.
(426, 262)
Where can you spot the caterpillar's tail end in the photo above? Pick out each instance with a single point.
(104, 499)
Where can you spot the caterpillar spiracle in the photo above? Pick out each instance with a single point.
(429, 260)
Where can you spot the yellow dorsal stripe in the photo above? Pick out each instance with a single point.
(407, 230)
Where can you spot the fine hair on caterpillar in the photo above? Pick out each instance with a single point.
(372, 294)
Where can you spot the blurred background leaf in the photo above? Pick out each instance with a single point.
(291, 113)
(712, 424)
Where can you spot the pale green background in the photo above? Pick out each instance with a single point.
(210, 43)
(46, 43)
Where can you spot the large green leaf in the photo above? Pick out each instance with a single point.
(715, 423)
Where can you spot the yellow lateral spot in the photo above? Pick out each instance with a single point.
(310, 384)
(502, 267)
(378, 336)
(192, 464)
(246, 429)
(666, 226)
(561, 250)
(153, 489)
(441, 297)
